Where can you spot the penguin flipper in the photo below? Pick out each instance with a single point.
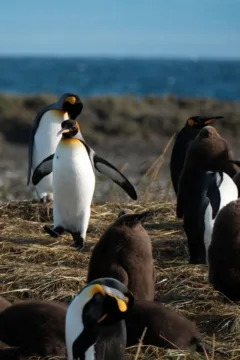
(213, 192)
(43, 169)
(104, 167)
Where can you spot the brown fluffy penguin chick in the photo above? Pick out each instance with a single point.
(124, 252)
(4, 303)
(208, 152)
(165, 327)
(36, 327)
(224, 252)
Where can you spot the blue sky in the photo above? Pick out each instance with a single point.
(179, 28)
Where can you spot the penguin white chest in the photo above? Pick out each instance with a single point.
(73, 186)
(45, 143)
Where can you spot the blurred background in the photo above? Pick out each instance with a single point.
(141, 68)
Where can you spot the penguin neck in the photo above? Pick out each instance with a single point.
(111, 343)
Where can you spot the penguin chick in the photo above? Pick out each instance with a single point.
(224, 252)
(182, 142)
(164, 327)
(35, 327)
(74, 182)
(43, 140)
(124, 252)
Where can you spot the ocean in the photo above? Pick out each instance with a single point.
(140, 77)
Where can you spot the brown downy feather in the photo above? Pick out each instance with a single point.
(35, 327)
(124, 252)
(224, 252)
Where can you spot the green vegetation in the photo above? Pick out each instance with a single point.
(118, 115)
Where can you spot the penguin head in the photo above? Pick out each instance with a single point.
(70, 128)
(198, 122)
(71, 104)
(125, 212)
(100, 303)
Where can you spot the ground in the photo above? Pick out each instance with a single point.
(34, 265)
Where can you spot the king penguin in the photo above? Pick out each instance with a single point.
(203, 190)
(43, 140)
(74, 182)
(182, 142)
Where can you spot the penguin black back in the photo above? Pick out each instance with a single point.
(182, 142)
(124, 252)
(224, 252)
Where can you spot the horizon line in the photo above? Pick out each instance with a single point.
(122, 57)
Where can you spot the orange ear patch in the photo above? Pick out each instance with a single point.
(190, 122)
(71, 99)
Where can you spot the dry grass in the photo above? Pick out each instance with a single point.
(35, 265)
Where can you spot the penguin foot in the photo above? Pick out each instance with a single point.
(44, 199)
(78, 241)
(53, 232)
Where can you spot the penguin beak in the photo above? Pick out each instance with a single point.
(209, 121)
(63, 131)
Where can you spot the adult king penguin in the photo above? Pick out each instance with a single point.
(95, 326)
(43, 140)
(183, 140)
(74, 182)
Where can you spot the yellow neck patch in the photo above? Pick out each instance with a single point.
(60, 113)
(70, 142)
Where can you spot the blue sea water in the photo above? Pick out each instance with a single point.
(100, 76)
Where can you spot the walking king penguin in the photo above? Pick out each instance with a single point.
(95, 325)
(74, 182)
(183, 139)
(43, 140)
